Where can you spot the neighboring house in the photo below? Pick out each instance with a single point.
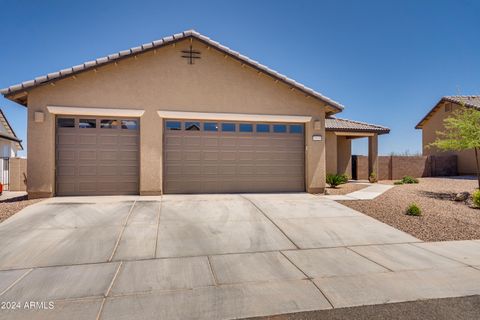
(9, 146)
(183, 114)
(433, 122)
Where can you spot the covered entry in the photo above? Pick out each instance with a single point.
(203, 156)
(97, 156)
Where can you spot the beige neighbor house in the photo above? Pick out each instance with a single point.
(10, 144)
(183, 114)
(433, 122)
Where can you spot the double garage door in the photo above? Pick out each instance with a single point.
(218, 157)
(97, 156)
(100, 156)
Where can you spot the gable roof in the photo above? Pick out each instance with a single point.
(18, 88)
(11, 134)
(345, 125)
(472, 101)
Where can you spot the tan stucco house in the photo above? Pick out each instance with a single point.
(183, 114)
(433, 122)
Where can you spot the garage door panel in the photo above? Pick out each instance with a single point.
(192, 156)
(128, 155)
(88, 139)
(87, 170)
(128, 141)
(66, 155)
(96, 160)
(69, 139)
(67, 171)
(108, 139)
(232, 161)
(85, 155)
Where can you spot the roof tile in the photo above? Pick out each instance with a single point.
(345, 125)
(165, 40)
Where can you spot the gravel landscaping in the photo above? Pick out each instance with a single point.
(8, 209)
(345, 188)
(442, 218)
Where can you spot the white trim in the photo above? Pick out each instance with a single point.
(95, 111)
(232, 116)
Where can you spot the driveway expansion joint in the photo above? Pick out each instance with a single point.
(270, 219)
(310, 279)
(365, 257)
(16, 281)
(124, 226)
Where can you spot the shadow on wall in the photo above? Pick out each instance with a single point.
(396, 167)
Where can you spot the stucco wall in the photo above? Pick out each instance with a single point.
(164, 81)
(331, 152)
(344, 156)
(466, 159)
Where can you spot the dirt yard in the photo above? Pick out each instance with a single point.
(345, 188)
(441, 219)
(8, 209)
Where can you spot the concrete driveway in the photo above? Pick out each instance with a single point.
(216, 257)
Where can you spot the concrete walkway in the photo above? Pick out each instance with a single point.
(217, 257)
(368, 193)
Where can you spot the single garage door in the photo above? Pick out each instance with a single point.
(97, 156)
(218, 157)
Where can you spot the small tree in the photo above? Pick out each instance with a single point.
(462, 132)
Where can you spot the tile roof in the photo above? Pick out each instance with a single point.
(345, 125)
(10, 135)
(471, 101)
(158, 43)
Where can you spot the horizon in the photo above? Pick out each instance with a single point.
(388, 64)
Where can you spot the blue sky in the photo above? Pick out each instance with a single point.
(388, 62)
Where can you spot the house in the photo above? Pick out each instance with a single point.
(183, 114)
(9, 146)
(433, 122)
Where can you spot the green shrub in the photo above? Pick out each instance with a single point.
(409, 180)
(372, 178)
(413, 210)
(476, 198)
(336, 179)
(399, 182)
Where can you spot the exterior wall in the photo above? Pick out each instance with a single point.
(396, 167)
(360, 169)
(409, 166)
(466, 159)
(162, 80)
(18, 173)
(344, 156)
(331, 152)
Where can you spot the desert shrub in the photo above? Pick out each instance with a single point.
(399, 182)
(336, 179)
(413, 210)
(409, 180)
(372, 178)
(476, 198)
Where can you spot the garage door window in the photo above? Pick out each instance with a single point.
(192, 126)
(263, 127)
(87, 123)
(246, 127)
(66, 122)
(210, 126)
(296, 128)
(279, 128)
(108, 124)
(174, 125)
(228, 127)
(130, 124)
